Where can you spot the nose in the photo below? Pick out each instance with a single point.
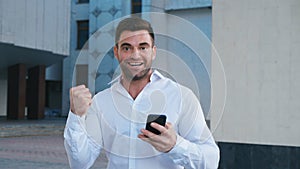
(135, 54)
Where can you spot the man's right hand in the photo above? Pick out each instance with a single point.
(80, 99)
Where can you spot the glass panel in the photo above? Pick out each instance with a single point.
(136, 6)
(82, 33)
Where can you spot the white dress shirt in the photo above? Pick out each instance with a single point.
(114, 120)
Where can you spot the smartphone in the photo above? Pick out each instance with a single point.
(159, 119)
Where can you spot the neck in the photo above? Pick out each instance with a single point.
(134, 87)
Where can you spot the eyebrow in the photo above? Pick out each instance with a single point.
(144, 43)
(141, 44)
(125, 44)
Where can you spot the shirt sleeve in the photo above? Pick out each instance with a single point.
(195, 147)
(81, 149)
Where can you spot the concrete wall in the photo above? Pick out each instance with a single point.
(258, 43)
(201, 18)
(33, 32)
(37, 24)
(54, 72)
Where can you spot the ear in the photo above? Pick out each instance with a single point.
(153, 52)
(116, 52)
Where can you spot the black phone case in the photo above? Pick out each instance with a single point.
(159, 119)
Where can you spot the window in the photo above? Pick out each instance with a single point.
(136, 6)
(82, 73)
(83, 1)
(82, 34)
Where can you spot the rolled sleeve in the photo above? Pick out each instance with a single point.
(186, 154)
(81, 150)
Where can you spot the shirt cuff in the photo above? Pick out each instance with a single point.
(75, 122)
(179, 152)
(180, 146)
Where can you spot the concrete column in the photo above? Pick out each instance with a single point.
(36, 92)
(16, 95)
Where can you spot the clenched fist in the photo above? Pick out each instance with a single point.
(80, 99)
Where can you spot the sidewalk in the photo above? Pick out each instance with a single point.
(38, 144)
(17, 128)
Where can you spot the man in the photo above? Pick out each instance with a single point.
(114, 120)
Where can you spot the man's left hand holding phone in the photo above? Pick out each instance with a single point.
(163, 137)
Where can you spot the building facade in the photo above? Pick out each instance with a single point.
(258, 43)
(34, 39)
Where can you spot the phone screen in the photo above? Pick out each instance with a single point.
(159, 119)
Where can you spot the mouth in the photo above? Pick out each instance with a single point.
(135, 63)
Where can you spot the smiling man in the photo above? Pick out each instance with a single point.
(135, 52)
(114, 120)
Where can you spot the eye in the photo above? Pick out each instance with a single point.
(143, 48)
(125, 48)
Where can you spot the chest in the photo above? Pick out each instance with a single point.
(127, 116)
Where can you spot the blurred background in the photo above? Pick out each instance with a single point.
(48, 46)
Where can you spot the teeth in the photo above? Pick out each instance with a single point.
(135, 63)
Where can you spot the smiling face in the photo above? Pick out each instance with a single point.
(135, 52)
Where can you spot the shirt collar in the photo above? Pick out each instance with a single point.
(156, 75)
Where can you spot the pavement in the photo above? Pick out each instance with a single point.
(35, 144)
